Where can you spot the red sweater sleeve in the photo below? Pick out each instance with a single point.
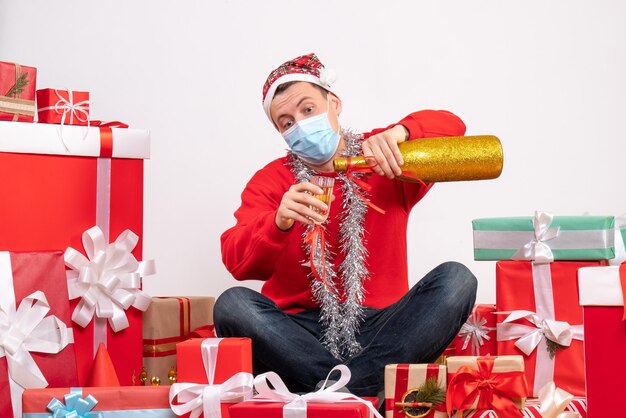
(252, 247)
(424, 124)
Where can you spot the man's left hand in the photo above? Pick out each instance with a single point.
(384, 148)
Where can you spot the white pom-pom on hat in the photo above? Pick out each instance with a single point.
(327, 77)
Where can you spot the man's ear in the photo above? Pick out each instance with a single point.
(336, 102)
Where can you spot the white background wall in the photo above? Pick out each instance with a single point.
(548, 78)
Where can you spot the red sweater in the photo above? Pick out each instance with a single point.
(255, 249)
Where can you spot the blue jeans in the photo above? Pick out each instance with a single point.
(415, 329)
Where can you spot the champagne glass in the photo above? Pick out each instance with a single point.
(326, 184)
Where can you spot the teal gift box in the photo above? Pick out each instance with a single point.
(544, 238)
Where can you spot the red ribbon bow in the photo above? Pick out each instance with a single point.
(493, 390)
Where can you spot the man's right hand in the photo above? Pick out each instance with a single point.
(297, 205)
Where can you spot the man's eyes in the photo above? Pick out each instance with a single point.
(308, 109)
(288, 124)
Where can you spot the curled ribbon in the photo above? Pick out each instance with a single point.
(296, 405)
(205, 399)
(529, 337)
(108, 281)
(75, 406)
(537, 250)
(27, 330)
(553, 402)
(476, 332)
(350, 171)
(483, 389)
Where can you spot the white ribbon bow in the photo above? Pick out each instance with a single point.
(108, 281)
(553, 402)
(296, 405)
(537, 250)
(529, 337)
(476, 331)
(26, 330)
(205, 399)
(66, 107)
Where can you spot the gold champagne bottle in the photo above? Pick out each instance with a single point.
(453, 158)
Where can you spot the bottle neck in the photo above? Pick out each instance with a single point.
(343, 164)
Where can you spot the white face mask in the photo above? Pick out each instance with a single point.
(313, 139)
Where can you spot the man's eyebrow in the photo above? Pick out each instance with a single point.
(282, 115)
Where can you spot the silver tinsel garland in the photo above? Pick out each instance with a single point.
(341, 319)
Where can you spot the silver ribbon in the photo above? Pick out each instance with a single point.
(476, 332)
(620, 249)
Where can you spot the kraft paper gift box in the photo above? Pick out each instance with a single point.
(401, 379)
(36, 347)
(101, 402)
(505, 393)
(56, 188)
(17, 92)
(168, 321)
(477, 336)
(198, 359)
(543, 297)
(65, 107)
(565, 237)
(602, 295)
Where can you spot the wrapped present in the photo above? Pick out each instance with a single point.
(226, 365)
(276, 401)
(496, 383)
(212, 360)
(56, 189)
(34, 334)
(17, 92)
(168, 321)
(544, 238)
(553, 402)
(602, 295)
(477, 336)
(545, 323)
(104, 286)
(100, 402)
(416, 390)
(64, 107)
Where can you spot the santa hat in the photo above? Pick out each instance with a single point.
(303, 68)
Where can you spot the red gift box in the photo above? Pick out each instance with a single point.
(17, 92)
(255, 409)
(402, 378)
(477, 336)
(123, 401)
(21, 275)
(543, 298)
(602, 294)
(65, 107)
(198, 359)
(55, 190)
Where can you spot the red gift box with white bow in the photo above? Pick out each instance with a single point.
(36, 347)
(55, 187)
(64, 107)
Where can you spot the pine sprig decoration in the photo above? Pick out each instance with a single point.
(430, 391)
(553, 347)
(18, 87)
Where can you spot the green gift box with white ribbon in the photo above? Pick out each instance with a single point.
(544, 238)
